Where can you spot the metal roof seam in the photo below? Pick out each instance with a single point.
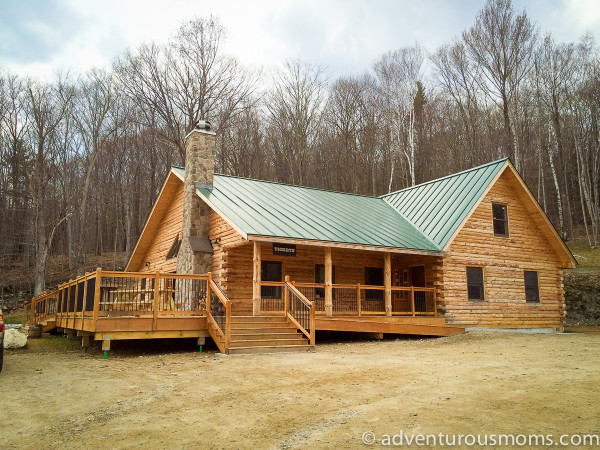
(447, 176)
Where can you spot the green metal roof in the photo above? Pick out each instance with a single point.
(422, 217)
(438, 207)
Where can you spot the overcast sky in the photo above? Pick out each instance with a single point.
(39, 36)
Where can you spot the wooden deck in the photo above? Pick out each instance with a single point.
(426, 326)
(107, 306)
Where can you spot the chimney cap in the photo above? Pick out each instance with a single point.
(203, 125)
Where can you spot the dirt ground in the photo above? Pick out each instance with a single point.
(170, 395)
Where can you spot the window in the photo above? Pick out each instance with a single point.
(320, 278)
(475, 287)
(500, 216)
(532, 290)
(174, 250)
(374, 277)
(270, 271)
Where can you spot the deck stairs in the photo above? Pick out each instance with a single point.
(265, 334)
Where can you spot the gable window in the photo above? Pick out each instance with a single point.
(174, 250)
(270, 271)
(320, 279)
(532, 289)
(475, 287)
(500, 217)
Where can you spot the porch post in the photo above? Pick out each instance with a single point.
(256, 279)
(328, 282)
(387, 279)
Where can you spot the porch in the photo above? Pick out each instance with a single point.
(380, 292)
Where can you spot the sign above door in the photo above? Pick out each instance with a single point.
(284, 249)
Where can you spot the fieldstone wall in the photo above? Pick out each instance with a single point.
(199, 168)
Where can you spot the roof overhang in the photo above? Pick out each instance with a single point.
(371, 248)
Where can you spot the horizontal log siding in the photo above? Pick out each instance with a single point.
(504, 260)
(219, 228)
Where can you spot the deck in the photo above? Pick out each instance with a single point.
(107, 306)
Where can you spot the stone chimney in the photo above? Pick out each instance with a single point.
(199, 170)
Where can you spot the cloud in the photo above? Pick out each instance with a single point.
(37, 37)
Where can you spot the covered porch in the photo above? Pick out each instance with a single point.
(351, 289)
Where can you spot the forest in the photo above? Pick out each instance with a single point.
(83, 156)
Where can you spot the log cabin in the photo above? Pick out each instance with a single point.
(260, 266)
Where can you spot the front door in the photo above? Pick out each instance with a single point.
(271, 296)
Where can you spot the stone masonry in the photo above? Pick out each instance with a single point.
(199, 168)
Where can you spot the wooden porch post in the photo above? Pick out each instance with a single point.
(328, 282)
(387, 279)
(256, 279)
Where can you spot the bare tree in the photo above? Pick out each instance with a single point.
(502, 43)
(186, 80)
(398, 73)
(94, 101)
(46, 106)
(294, 108)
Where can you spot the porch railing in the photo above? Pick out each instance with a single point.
(355, 299)
(102, 294)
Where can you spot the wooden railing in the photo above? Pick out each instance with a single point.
(356, 299)
(121, 294)
(299, 310)
(218, 309)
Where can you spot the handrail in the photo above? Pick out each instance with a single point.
(296, 317)
(271, 283)
(216, 318)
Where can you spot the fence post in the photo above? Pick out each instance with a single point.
(313, 332)
(76, 299)
(67, 302)
(286, 297)
(155, 300)
(84, 302)
(412, 300)
(358, 299)
(32, 311)
(208, 292)
(227, 324)
(435, 301)
(97, 297)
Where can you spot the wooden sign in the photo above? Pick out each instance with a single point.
(284, 249)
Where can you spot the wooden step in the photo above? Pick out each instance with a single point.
(261, 330)
(256, 324)
(236, 319)
(271, 349)
(267, 342)
(265, 335)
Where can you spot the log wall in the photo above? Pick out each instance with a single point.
(504, 261)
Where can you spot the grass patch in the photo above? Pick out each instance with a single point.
(13, 318)
(588, 259)
(51, 343)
